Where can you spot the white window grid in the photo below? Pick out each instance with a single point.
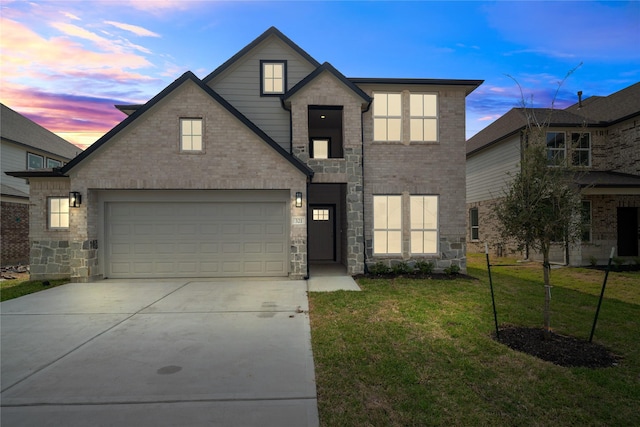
(191, 134)
(387, 117)
(58, 212)
(423, 108)
(387, 224)
(424, 224)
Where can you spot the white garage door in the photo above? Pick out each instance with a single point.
(213, 239)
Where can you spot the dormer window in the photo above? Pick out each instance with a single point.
(273, 79)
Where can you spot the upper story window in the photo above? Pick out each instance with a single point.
(58, 212)
(423, 108)
(53, 163)
(273, 77)
(387, 225)
(387, 117)
(35, 161)
(191, 134)
(424, 224)
(555, 148)
(581, 149)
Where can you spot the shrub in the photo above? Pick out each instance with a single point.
(424, 267)
(618, 262)
(379, 269)
(401, 268)
(452, 270)
(593, 261)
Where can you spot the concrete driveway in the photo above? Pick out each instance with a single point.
(159, 353)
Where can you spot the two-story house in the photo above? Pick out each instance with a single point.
(23, 145)
(269, 164)
(600, 139)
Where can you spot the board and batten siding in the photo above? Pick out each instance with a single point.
(488, 171)
(240, 86)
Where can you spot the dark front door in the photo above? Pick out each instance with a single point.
(628, 231)
(322, 233)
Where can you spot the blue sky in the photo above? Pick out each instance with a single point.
(65, 63)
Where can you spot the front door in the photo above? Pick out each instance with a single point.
(628, 231)
(322, 233)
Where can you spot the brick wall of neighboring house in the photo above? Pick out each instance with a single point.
(407, 169)
(620, 151)
(603, 232)
(14, 234)
(146, 156)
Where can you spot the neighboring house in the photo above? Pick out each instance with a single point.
(23, 145)
(600, 137)
(271, 163)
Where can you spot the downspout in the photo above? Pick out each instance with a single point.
(364, 241)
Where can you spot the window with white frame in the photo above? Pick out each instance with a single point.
(424, 224)
(423, 108)
(273, 77)
(555, 148)
(474, 224)
(581, 149)
(53, 163)
(387, 117)
(35, 161)
(586, 220)
(58, 212)
(387, 225)
(191, 134)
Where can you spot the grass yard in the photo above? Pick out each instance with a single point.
(10, 289)
(407, 352)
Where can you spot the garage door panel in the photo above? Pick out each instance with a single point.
(196, 239)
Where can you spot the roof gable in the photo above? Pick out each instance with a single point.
(366, 99)
(273, 31)
(188, 76)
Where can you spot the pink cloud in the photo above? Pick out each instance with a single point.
(22, 50)
(138, 31)
(79, 120)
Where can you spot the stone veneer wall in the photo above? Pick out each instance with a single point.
(14, 233)
(326, 90)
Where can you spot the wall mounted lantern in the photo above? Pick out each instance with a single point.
(298, 199)
(75, 199)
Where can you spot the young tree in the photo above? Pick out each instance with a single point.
(542, 204)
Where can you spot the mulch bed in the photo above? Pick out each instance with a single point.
(559, 349)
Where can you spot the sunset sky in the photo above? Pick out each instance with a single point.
(64, 64)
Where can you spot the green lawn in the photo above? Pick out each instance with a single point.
(10, 289)
(406, 352)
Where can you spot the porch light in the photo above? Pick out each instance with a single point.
(75, 199)
(298, 199)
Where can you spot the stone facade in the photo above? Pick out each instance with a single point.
(15, 233)
(327, 90)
